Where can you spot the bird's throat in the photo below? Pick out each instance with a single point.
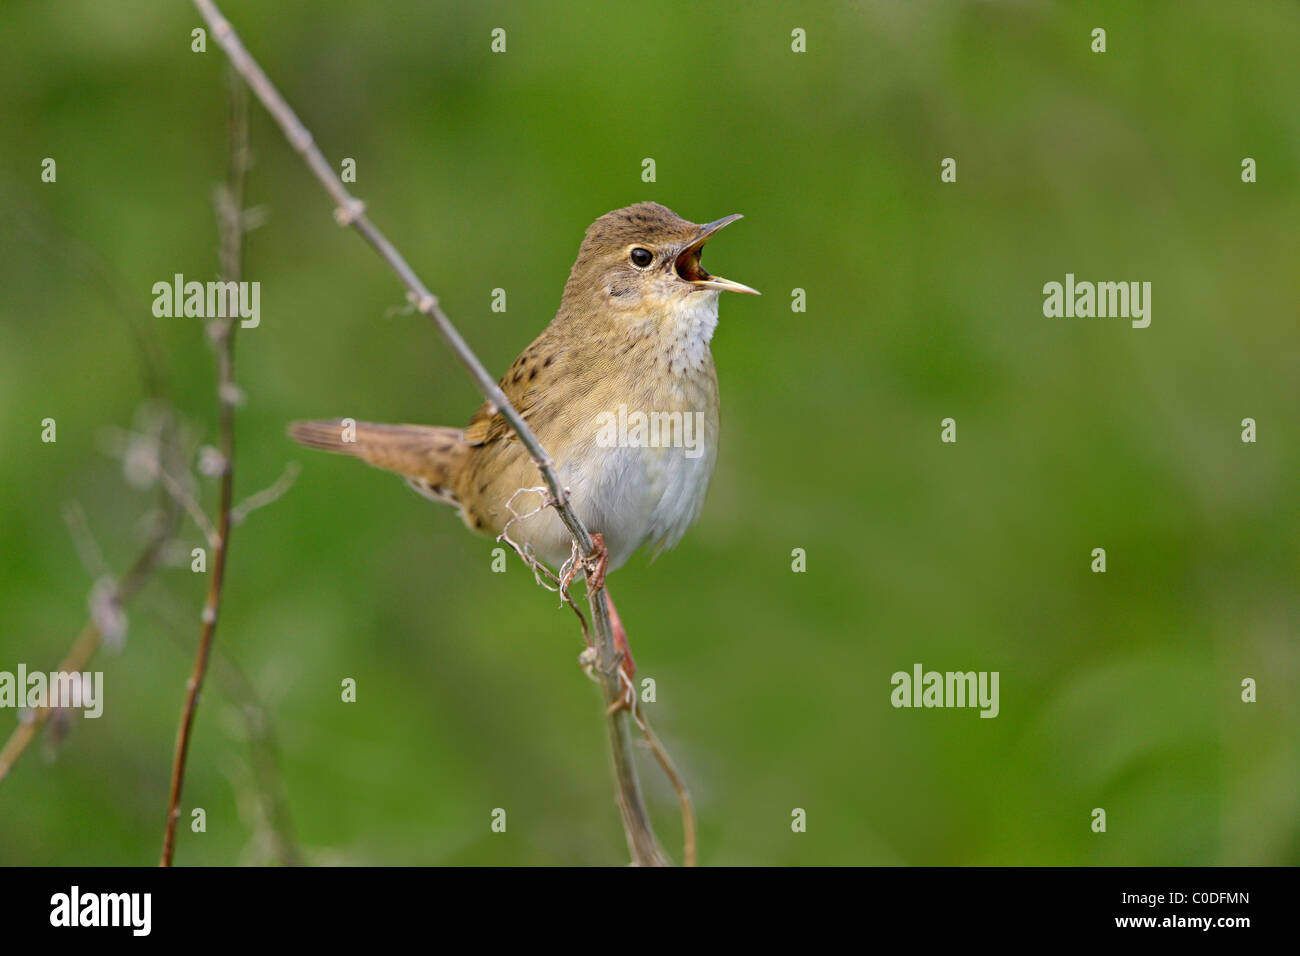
(685, 329)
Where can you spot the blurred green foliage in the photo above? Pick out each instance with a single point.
(1118, 690)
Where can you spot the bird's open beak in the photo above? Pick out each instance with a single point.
(688, 261)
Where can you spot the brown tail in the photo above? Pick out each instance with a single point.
(428, 456)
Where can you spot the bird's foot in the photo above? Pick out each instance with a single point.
(626, 664)
(596, 564)
(593, 566)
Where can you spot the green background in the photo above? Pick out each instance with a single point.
(1118, 690)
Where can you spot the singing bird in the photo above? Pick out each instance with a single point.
(620, 388)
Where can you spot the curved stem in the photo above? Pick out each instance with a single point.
(230, 220)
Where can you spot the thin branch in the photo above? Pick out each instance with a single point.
(679, 785)
(88, 640)
(92, 556)
(150, 556)
(350, 211)
(222, 331)
(186, 501)
(259, 727)
(264, 751)
(266, 496)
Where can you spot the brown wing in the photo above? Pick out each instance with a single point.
(524, 385)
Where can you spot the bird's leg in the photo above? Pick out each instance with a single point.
(595, 566)
(623, 653)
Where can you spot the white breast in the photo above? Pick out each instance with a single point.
(642, 496)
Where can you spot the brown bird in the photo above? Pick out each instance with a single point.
(620, 389)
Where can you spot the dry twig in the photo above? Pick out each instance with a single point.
(222, 331)
(88, 641)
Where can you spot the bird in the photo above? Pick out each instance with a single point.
(621, 390)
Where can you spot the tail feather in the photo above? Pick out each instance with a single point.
(428, 456)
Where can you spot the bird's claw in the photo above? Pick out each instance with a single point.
(593, 566)
(596, 563)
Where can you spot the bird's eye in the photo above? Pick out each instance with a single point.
(641, 257)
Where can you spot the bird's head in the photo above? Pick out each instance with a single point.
(646, 259)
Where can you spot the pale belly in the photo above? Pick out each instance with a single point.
(633, 493)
